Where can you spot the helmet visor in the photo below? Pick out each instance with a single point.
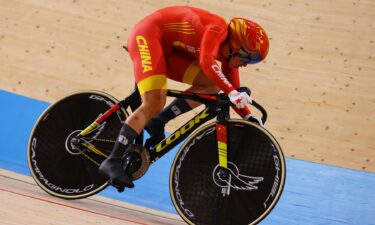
(249, 57)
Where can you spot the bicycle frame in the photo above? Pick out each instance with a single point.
(217, 153)
(216, 105)
(179, 135)
(134, 101)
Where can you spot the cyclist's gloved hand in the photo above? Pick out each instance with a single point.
(239, 99)
(254, 119)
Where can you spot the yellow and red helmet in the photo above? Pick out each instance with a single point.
(248, 39)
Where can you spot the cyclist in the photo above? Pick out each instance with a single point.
(184, 44)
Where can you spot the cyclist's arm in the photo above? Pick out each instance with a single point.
(234, 77)
(210, 45)
(232, 74)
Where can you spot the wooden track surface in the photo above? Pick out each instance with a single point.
(318, 82)
(22, 202)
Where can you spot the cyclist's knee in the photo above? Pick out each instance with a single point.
(203, 84)
(153, 102)
(153, 108)
(211, 89)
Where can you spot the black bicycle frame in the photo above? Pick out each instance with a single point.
(179, 135)
(215, 105)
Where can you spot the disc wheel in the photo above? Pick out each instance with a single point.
(202, 195)
(58, 166)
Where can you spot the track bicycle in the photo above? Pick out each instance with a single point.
(228, 171)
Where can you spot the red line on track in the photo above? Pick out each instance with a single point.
(72, 207)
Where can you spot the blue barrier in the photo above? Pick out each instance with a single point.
(313, 194)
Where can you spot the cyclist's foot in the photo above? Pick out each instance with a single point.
(112, 168)
(156, 130)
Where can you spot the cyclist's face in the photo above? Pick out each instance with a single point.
(249, 57)
(236, 62)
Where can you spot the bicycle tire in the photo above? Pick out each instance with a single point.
(258, 171)
(56, 167)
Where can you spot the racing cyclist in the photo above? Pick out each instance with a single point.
(184, 44)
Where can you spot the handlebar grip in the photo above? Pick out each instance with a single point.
(244, 89)
(262, 110)
(254, 103)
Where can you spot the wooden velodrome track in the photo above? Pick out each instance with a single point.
(318, 82)
(25, 203)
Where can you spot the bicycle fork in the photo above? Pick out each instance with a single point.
(222, 147)
(223, 172)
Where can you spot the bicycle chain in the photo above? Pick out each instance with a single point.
(102, 140)
(88, 157)
(99, 140)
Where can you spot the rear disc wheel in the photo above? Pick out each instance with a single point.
(57, 165)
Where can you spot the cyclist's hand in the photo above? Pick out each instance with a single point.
(254, 119)
(239, 99)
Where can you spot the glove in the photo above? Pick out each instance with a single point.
(254, 119)
(239, 99)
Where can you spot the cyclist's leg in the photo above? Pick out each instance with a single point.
(185, 68)
(153, 102)
(188, 71)
(202, 84)
(149, 68)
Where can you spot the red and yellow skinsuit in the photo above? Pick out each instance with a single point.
(178, 43)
